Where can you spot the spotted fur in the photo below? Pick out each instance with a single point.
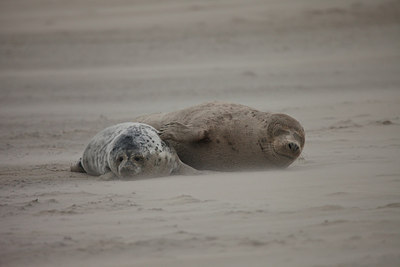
(129, 150)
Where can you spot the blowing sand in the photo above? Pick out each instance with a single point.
(68, 69)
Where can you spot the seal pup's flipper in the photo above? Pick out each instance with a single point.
(108, 176)
(77, 167)
(179, 132)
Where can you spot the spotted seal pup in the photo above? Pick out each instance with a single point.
(227, 137)
(130, 150)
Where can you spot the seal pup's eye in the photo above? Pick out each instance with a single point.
(120, 159)
(137, 158)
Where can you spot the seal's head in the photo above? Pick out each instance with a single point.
(283, 141)
(128, 156)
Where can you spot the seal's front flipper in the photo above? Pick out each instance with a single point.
(107, 176)
(77, 167)
(184, 169)
(179, 132)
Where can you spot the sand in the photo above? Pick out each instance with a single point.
(70, 68)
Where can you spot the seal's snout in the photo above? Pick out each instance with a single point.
(290, 149)
(293, 147)
(128, 169)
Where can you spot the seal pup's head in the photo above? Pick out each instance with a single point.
(129, 154)
(138, 151)
(284, 140)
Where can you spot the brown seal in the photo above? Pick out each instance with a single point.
(227, 137)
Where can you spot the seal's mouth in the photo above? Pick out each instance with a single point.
(288, 156)
(129, 172)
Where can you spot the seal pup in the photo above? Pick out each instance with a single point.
(226, 137)
(129, 150)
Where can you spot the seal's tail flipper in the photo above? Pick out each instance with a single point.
(77, 167)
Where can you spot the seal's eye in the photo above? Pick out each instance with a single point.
(137, 158)
(297, 136)
(120, 159)
(280, 132)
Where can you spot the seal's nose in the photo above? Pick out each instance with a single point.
(128, 169)
(128, 172)
(293, 147)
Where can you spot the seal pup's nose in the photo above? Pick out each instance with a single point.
(293, 147)
(128, 169)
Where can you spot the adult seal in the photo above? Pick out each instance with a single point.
(130, 150)
(227, 137)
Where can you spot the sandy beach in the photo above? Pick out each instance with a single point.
(68, 69)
